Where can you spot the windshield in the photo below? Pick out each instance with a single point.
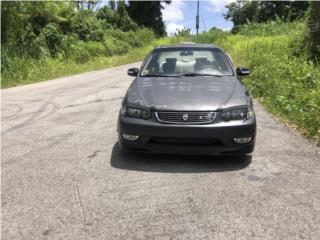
(186, 62)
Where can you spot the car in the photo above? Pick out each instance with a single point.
(187, 99)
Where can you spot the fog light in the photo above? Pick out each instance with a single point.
(130, 137)
(243, 140)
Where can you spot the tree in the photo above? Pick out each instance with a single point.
(242, 12)
(314, 30)
(22, 18)
(118, 18)
(124, 21)
(108, 15)
(286, 10)
(87, 26)
(148, 14)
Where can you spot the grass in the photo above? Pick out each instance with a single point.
(28, 70)
(282, 79)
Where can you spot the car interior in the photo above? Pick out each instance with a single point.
(172, 65)
(180, 62)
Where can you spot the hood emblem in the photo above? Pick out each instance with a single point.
(185, 117)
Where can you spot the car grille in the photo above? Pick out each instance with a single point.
(186, 117)
(186, 141)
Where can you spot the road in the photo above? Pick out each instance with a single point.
(63, 176)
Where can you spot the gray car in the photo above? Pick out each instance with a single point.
(187, 99)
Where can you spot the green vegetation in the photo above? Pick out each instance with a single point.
(314, 31)
(280, 42)
(45, 40)
(282, 79)
(148, 14)
(244, 12)
(28, 70)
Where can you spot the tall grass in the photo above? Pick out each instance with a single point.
(26, 70)
(287, 85)
(284, 81)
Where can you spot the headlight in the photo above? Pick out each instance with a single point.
(136, 113)
(240, 113)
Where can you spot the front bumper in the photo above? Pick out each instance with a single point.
(207, 139)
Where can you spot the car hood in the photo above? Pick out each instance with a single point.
(186, 93)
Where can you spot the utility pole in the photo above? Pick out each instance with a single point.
(197, 18)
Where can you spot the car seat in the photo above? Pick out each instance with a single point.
(170, 65)
(199, 63)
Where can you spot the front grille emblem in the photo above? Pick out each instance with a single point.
(185, 117)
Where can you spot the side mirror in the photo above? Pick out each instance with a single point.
(133, 72)
(241, 71)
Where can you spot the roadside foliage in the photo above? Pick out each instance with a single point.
(282, 77)
(45, 40)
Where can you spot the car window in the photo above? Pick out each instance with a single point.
(171, 62)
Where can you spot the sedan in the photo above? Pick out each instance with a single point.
(187, 99)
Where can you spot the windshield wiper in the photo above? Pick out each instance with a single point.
(156, 75)
(193, 74)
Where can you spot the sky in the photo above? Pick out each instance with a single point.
(182, 13)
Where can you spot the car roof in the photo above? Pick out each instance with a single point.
(188, 45)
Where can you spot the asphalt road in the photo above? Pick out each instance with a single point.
(63, 176)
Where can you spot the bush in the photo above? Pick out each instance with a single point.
(271, 28)
(212, 36)
(67, 42)
(282, 79)
(53, 38)
(29, 44)
(108, 15)
(83, 51)
(87, 26)
(43, 40)
(145, 36)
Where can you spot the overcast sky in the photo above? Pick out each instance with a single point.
(182, 13)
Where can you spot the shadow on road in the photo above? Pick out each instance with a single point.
(176, 163)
